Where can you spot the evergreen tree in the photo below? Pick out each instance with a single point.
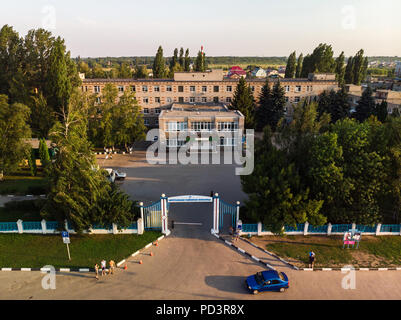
(32, 162)
(42, 116)
(291, 66)
(340, 70)
(264, 109)
(187, 61)
(366, 106)
(381, 111)
(335, 104)
(44, 154)
(299, 66)
(200, 63)
(159, 67)
(141, 72)
(244, 102)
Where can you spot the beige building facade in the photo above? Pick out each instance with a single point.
(156, 95)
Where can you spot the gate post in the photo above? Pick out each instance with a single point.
(216, 213)
(238, 207)
(163, 201)
(141, 222)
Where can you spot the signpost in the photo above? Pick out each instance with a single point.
(66, 240)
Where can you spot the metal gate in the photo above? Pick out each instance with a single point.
(226, 209)
(152, 216)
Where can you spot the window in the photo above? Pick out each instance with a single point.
(145, 88)
(204, 88)
(157, 121)
(157, 99)
(297, 99)
(228, 99)
(169, 100)
(181, 99)
(145, 110)
(216, 99)
(180, 88)
(169, 89)
(202, 126)
(146, 122)
(228, 142)
(192, 99)
(173, 126)
(228, 126)
(287, 88)
(157, 88)
(298, 89)
(120, 88)
(216, 89)
(157, 110)
(192, 88)
(229, 88)
(204, 99)
(97, 89)
(133, 88)
(146, 100)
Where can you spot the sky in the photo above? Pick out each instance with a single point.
(99, 28)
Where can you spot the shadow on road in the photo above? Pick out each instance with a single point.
(232, 284)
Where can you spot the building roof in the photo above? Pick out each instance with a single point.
(199, 110)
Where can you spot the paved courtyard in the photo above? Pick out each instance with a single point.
(191, 263)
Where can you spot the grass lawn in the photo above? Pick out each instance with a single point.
(23, 185)
(383, 251)
(36, 251)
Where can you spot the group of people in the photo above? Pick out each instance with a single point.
(103, 265)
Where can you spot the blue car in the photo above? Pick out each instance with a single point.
(267, 281)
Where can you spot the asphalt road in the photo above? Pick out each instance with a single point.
(191, 263)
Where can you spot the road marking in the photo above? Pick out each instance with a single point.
(188, 223)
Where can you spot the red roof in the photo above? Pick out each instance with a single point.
(236, 70)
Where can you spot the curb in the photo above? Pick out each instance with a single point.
(244, 252)
(81, 270)
(349, 269)
(270, 254)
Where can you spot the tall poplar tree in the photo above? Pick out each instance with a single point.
(299, 66)
(366, 106)
(291, 65)
(349, 71)
(340, 70)
(187, 61)
(159, 65)
(181, 60)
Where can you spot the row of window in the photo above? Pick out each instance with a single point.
(145, 100)
(223, 142)
(173, 126)
(97, 89)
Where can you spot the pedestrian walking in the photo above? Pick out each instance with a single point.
(97, 271)
(103, 265)
(112, 265)
(311, 259)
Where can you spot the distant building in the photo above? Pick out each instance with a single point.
(259, 73)
(398, 69)
(236, 72)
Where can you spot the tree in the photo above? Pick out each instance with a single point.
(79, 189)
(276, 195)
(42, 116)
(44, 154)
(335, 104)
(366, 106)
(58, 86)
(181, 60)
(321, 60)
(381, 111)
(358, 67)
(244, 102)
(187, 61)
(264, 109)
(291, 66)
(174, 60)
(141, 72)
(13, 131)
(340, 70)
(124, 71)
(159, 66)
(349, 71)
(32, 162)
(200, 63)
(299, 66)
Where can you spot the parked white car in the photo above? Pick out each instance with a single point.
(120, 175)
(111, 175)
